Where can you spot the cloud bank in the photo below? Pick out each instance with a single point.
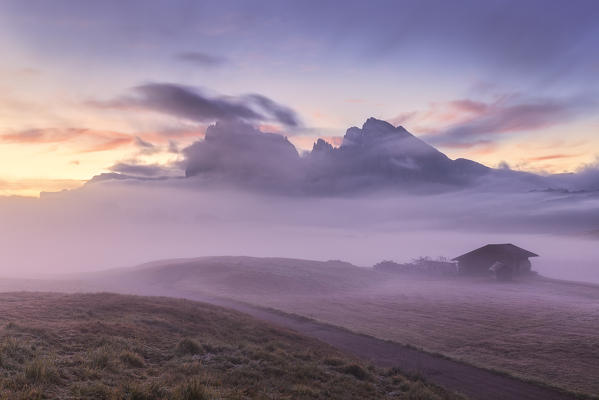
(382, 194)
(113, 223)
(376, 157)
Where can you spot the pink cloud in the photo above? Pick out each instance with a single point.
(110, 144)
(553, 157)
(35, 136)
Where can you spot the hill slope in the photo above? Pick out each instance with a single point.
(108, 346)
(242, 275)
(527, 328)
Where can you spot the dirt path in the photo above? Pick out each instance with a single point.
(476, 383)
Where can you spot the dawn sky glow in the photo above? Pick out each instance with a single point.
(408, 188)
(493, 81)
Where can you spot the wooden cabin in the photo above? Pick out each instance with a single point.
(500, 260)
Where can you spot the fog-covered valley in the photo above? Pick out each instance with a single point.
(390, 208)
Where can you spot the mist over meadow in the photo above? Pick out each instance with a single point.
(382, 195)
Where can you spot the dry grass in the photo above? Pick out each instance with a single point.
(107, 346)
(540, 331)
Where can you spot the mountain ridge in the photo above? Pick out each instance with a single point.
(377, 156)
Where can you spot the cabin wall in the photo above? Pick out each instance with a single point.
(479, 265)
(504, 274)
(475, 266)
(524, 266)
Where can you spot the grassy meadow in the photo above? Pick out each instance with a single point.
(541, 330)
(545, 332)
(109, 346)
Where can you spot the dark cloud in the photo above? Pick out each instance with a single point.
(278, 112)
(139, 142)
(508, 115)
(190, 103)
(201, 59)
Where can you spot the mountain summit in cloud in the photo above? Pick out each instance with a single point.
(376, 156)
(381, 155)
(236, 153)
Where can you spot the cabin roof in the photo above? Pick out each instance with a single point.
(498, 249)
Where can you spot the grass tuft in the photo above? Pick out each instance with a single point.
(356, 371)
(41, 371)
(193, 389)
(131, 359)
(101, 358)
(188, 346)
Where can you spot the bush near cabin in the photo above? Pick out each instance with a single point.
(423, 266)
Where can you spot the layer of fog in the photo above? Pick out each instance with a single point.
(113, 224)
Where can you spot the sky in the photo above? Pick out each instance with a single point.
(87, 87)
(361, 131)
